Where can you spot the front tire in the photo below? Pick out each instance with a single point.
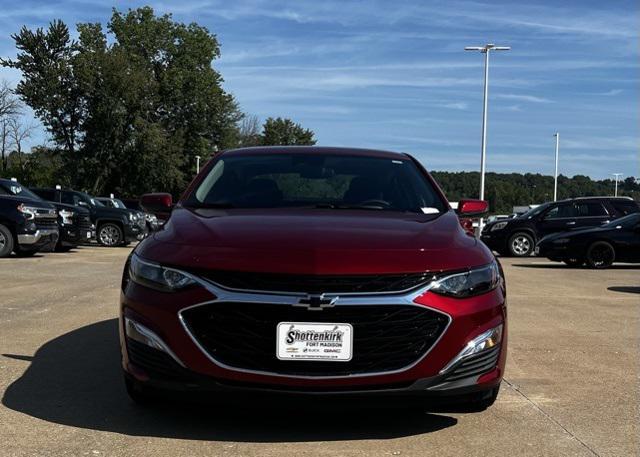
(600, 255)
(6, 241)
(110, 235)
(521, 244)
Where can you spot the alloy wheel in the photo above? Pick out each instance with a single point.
(109, 235)
(601, 255)
(521, 245)
(3, 241)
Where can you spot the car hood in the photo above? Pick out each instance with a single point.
(76, 209)
(29, 202)
(314, 241)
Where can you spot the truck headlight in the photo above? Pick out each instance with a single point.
(28, 212)
(499, 226)
(473, 282)
(67, 216)
(156, 276)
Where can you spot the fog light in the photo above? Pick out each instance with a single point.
(142, 334)
(483, 342)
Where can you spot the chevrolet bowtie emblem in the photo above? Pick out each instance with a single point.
(317, 301)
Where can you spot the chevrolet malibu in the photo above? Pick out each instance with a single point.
(308, 270)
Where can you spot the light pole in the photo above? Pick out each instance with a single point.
(485, 49)
(555, 175)
(617, 175)
(197, 164)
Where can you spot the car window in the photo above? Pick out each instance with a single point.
(69, 198)
(624, 207)
(591, 209)
(561, 212)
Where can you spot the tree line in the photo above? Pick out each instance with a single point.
(506, 190)
(129, 106)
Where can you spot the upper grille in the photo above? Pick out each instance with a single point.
(385, 337)
(271, 282)
(475, 365)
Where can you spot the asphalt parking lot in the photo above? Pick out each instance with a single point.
(572, 377)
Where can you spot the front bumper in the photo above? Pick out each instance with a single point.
(496, 241)
(41, 239)
(135, 232)
(178, 362)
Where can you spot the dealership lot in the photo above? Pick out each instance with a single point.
(571, 380)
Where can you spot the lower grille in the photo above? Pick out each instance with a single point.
(83, 223)
(475, 365)
(157, 364)
(385, 337)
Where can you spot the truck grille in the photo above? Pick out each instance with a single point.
(270, 282)
(46, 223)
(385, 337)
(83, 222)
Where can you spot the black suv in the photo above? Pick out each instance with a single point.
(27, 223)
(518, 236)
(114, 226)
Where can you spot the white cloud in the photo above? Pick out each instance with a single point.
(524, 98)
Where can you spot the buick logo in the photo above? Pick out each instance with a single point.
(317, 302)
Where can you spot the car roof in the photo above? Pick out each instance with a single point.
(316, 150)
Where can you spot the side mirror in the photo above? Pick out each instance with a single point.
(470, 208)
(159, 204)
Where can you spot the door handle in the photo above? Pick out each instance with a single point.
(571, 223)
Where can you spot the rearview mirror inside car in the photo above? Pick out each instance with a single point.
(472, 207)
(159, 204)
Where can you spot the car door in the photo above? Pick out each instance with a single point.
(557, 218)
(591, 214)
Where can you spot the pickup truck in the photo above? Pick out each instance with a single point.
(27, 223)
(114, 226)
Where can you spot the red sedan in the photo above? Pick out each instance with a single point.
(312, 270)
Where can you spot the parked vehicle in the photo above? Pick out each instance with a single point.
(314, 270)
(27, 223)
(599, 247)
(114, 226)
(150, 219)
(518, 236)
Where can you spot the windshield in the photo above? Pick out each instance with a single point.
(91, 200)
(535, 211)
(321, 181)
(117, 203)
(14, 188)
(629, 221)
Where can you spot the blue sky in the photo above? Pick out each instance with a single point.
(393, 75)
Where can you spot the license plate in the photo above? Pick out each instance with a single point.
(314, 341)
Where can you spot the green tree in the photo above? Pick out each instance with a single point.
(130, 108)
(281, 131)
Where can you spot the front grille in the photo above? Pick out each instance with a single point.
(385, 337)
(83, 223)
(271, 282)
(475, 365)
(46, 223)
(157, 364)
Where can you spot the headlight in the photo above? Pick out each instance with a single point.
(157, 277)
(67, 216)
(473, 282)
(133, 217)
(28, 212)
(499, 226)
